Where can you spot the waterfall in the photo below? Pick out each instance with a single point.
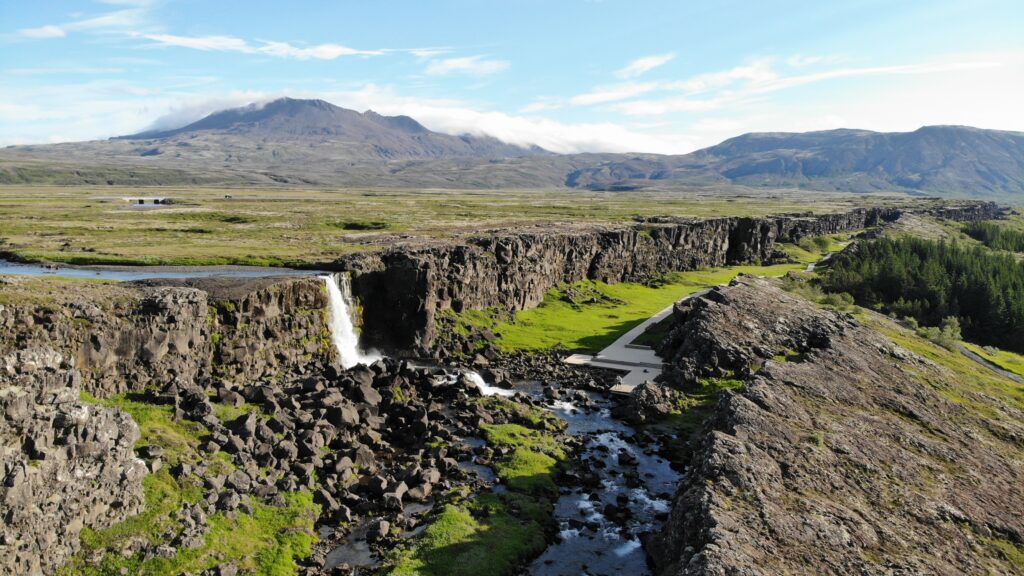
(485, 388)
(343, 332)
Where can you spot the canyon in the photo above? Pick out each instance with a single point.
(355, 435)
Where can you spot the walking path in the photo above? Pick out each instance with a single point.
(638, 363)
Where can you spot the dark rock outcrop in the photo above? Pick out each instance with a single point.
(403, 289)
(853, 456)
(136, 336)
(64, 464)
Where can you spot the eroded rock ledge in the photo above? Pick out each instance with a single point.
(64, 464)
(848, 457)
(146, 335)
(403, 288)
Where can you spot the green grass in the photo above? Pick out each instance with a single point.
(266, 542)
(1011, 552)
(293, 226)
(698, 404)
(533, 464)
(495, 533)
(478, 537)
(655, 333)
(226, 413)
(973, 385)
(591, 327)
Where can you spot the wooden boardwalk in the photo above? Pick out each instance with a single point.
(638, 364)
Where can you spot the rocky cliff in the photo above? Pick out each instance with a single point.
(842, 453)
(403, 289)
(134, 336)
(64, 464)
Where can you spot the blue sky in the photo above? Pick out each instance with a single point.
(569, 75)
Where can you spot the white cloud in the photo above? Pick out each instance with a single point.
(604, 94)
(48, 31)
(429, 52)
(320, 51)
(453, 117)
(215, 43)
(643, 65)
(972, 89)
(751, 82)
(473, 65)
(757, 71)
(267, 47)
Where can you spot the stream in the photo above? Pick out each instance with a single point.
(129, 273)
(600, 527)
(626, 492)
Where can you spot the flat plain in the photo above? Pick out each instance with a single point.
(306, 227)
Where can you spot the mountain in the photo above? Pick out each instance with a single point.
(933, 159)
(288, 119)
(313, 142)
(955, 160)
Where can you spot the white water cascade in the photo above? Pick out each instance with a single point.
(343, 332)
(485, 388)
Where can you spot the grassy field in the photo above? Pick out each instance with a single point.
(608, 310)
(86, 225)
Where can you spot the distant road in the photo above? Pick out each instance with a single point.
(990, 365)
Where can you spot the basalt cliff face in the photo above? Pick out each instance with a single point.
(852, 456)
(137, 336)
(64, 464)
(402, 290)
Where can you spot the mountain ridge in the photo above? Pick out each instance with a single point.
(313, 142)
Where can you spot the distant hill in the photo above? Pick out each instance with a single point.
(312, 142)
(932, 159)
(935, 159)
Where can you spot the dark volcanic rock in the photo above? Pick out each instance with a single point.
(850, 459)
(403, 289)
(64, 464)
(157, 333)
(648, 400)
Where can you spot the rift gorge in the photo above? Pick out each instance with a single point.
(382, 415)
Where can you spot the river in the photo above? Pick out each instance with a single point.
(129, 273)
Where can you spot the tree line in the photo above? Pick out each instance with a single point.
(995, 236)
(931, 281)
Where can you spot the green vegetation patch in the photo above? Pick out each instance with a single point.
(931, 281)
(695, 407)
(996, 235)
(285, 226)
(491, 534)
(533, 463)
(972, 385)
(655, 333)
(368, 225)
(1009, 361)
(268, 541)
(227, 413)
(593, 322)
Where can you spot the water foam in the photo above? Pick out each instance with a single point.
(485, 388)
